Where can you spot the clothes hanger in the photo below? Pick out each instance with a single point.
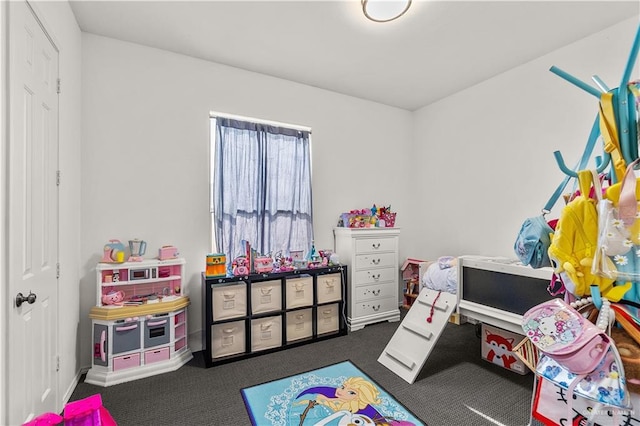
(601, 162)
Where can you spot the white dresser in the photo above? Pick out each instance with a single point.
(371, 255)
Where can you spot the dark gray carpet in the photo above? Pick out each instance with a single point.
(455, 387)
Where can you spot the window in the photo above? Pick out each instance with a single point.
(260, 187)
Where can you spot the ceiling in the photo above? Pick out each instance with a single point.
(436, 49)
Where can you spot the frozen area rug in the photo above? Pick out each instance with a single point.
(337, 395)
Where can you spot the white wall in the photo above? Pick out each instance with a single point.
(145, 153)
(485, 155)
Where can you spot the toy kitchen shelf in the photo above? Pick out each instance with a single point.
(139, 323)
(245, 316)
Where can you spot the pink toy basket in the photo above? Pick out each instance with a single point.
(87, 412)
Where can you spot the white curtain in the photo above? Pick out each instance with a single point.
(262, 188)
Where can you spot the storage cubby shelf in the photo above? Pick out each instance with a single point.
(256, 314)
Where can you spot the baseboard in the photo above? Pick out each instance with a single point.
(72, 386)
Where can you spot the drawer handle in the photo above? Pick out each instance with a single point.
(103, 346)
(127, 328)
(376, 308)
(266, 290)
(327, 312)
(229, 330)
(376, 277)
(299, 286)
(375, 246)
(376, 292)
(155, 323)
(229, 295)
(265, 327)
(375, 261)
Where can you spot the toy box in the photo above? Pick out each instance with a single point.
(216, 265)
(389, 220)
(263, 264)
(352, 220)
(497, 347)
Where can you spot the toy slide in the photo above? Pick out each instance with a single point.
(413, 341)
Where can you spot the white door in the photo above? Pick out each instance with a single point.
(33, 217)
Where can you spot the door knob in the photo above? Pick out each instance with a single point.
(20, 299)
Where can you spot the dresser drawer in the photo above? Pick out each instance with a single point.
(375, 260)
(373, 307)
(375, 292)
(376, 245)
(375, 276)
(328, 288)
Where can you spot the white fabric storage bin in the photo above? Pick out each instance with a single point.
(229, 301)
(299, 324)
(327, 318)
(266, 296)
(299, 292)
(227, 339)
(328, 288)
(266, 333)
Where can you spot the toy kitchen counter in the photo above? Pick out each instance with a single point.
(139, 323)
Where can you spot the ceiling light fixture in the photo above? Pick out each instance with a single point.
(384, 10)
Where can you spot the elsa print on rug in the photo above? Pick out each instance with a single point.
(336, 395)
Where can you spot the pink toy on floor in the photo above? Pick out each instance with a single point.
(84, 412)
(46, 419)
(87, 412)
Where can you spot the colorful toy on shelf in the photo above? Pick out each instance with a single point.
(113, 252)
(240, 266)
(300, 263)
(314, 259)
(113, 297)
(326, 257)
(282, 263)
(216, 265)
(248, 253)
(386, 218)
(373, 217)
(263, 264)
(167, 252)
(137, 248)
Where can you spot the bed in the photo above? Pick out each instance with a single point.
(493, 290)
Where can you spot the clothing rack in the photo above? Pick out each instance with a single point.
(624, 110)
